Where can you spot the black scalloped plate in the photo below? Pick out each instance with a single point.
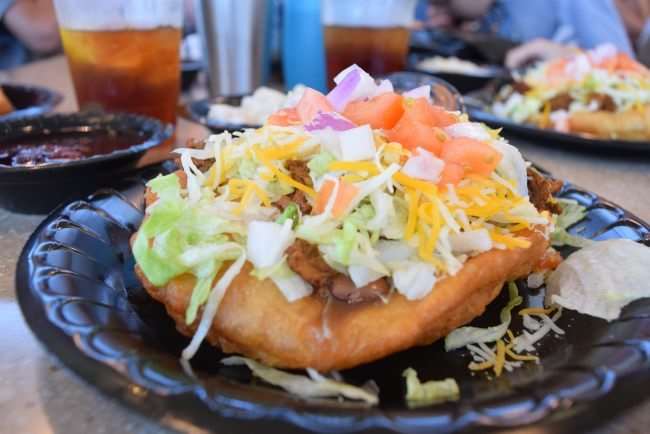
(77, 290)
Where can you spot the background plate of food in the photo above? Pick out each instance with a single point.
(332, 250)
(234, 113)
(599, 99)
(464, 75)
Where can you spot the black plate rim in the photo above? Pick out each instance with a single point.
(317, 419)
(158, 133)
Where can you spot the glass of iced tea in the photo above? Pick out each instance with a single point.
(373, 34)
(124, 55)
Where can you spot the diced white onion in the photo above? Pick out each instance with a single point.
(292, 286)
(385, 86)
(384, 210)
(415, 280)
(267, 242)
(471, 241)
(366, 87)
(357, 144)
(394, 251)
(362, 275)
(424, 165)
(329, 141)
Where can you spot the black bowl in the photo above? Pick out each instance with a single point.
(442, 93)
(29, 100)
(39, 188)
(466, 82)
(198, 112)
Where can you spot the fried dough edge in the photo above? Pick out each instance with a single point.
(254, 318)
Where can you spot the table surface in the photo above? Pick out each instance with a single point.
(38, 395)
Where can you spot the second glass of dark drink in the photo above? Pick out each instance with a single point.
(372, 34)
(124, 57)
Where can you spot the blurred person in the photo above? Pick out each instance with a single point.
(28, 28)
(547, 28)
(636, 17)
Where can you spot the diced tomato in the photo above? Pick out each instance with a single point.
(626, 63)
(452, 173)
(474, 156)
(412, 134)
(423, 111)
(557, 68)
(284, 117)
(382, 111)
(346, 193)
(310, 104)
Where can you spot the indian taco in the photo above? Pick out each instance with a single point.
(347, 228)
(598, 93)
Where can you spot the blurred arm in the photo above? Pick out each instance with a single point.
(537, 49)
(34, 23)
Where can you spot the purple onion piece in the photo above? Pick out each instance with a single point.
(342, 93)
(329, 120)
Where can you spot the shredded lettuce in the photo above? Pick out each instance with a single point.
(601, 279)
(318, 165)
(362, 215)
(247, 169)
(471, 335)
(166, 186)
(201, 290)
(180, 237)
(292, 286)
(560, 237)
(315, 387)
(291, 212)
(154, 266)
(277, 189)
(346, 242)
(572, 212)
(431, 392)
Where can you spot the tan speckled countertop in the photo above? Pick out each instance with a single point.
(37, 395)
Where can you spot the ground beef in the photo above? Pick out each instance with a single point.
(541, 190)
(605, 102)
(297, 197)
(520, 87)
(306, 261)
(299, 171)
(561, 101)
(202, 165)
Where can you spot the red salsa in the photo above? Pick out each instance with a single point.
(62, 148)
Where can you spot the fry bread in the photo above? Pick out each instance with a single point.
(256, 320)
